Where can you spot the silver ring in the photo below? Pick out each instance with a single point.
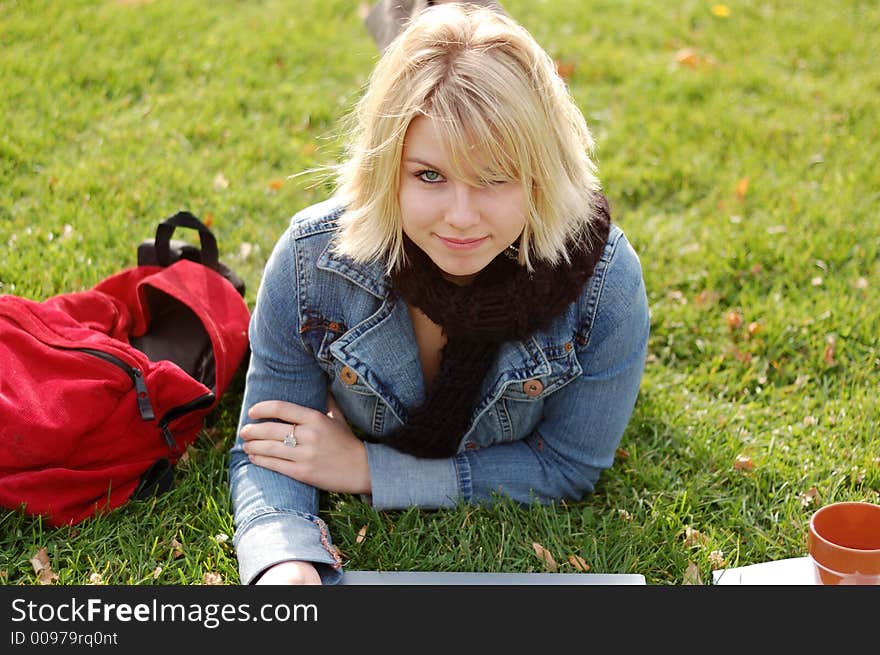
(289, 440)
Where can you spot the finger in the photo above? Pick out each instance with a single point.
(284, 411)
(284, 466)
(271, 431)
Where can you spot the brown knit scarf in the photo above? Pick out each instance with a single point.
(505, 302)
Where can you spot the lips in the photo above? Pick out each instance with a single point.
(462, 244)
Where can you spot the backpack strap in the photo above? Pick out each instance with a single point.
(163, 251)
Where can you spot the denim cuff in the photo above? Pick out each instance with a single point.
(400, 480)
(281, 536)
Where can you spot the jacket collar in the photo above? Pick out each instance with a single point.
(368, 276)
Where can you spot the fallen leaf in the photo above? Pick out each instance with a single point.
(579, 563)
(809, 496)
(565, 69)
(687, 57)
(621, 453)
(362, 533)
(40, 560)
(734, 320)
(176, 548)
(47, 576)
(706, 298)
(692, 575)
(693, 537)
(157, 572)
(743, 463)
(43, 568)
(211, 578)
(828, 355)
(744, 356)
(96, 579)
(544, 555)
(716, 559)
(220, 182)
(742, 187)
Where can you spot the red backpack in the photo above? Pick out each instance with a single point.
(102, 390)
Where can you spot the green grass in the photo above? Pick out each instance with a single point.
(117, 114)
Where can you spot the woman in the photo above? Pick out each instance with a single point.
(463, 302)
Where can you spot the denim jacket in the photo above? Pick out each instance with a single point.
(549, 418)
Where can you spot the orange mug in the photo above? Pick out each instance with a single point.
(844, 544)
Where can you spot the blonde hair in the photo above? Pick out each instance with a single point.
(502, 110)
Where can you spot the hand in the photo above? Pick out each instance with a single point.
(327, 455)
(294, 572)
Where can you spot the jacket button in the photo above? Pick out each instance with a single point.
(347, 375)
(533, 388)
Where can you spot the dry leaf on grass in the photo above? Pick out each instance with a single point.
(687, 57)
(220, 182)
(809, 496)
(743, 463)
(828, 355)
(692, 575)
(545, 556)
(734, 320)
(40, 560)
(43, 568)
(565, 69)
(693, 537)
(578, 562)
(211, 578)
(176, 549)
(362, 534)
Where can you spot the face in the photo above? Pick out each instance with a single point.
(460, 227)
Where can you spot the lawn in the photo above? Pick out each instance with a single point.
(738, 146)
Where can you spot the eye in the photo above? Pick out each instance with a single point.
(430, 177)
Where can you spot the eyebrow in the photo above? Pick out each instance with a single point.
(421, 162)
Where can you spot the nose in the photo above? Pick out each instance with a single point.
(463, 212)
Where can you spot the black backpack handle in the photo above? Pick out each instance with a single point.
(210, 255)
(163, 251)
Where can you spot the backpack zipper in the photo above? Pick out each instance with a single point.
(145, 407)
(197, 403)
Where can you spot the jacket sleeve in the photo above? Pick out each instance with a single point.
(581, 426)
(276, 517)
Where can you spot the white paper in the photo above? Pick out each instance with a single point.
(794, 571)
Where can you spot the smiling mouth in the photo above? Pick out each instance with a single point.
(461, 244)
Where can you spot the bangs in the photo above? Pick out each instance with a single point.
(483, 144)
